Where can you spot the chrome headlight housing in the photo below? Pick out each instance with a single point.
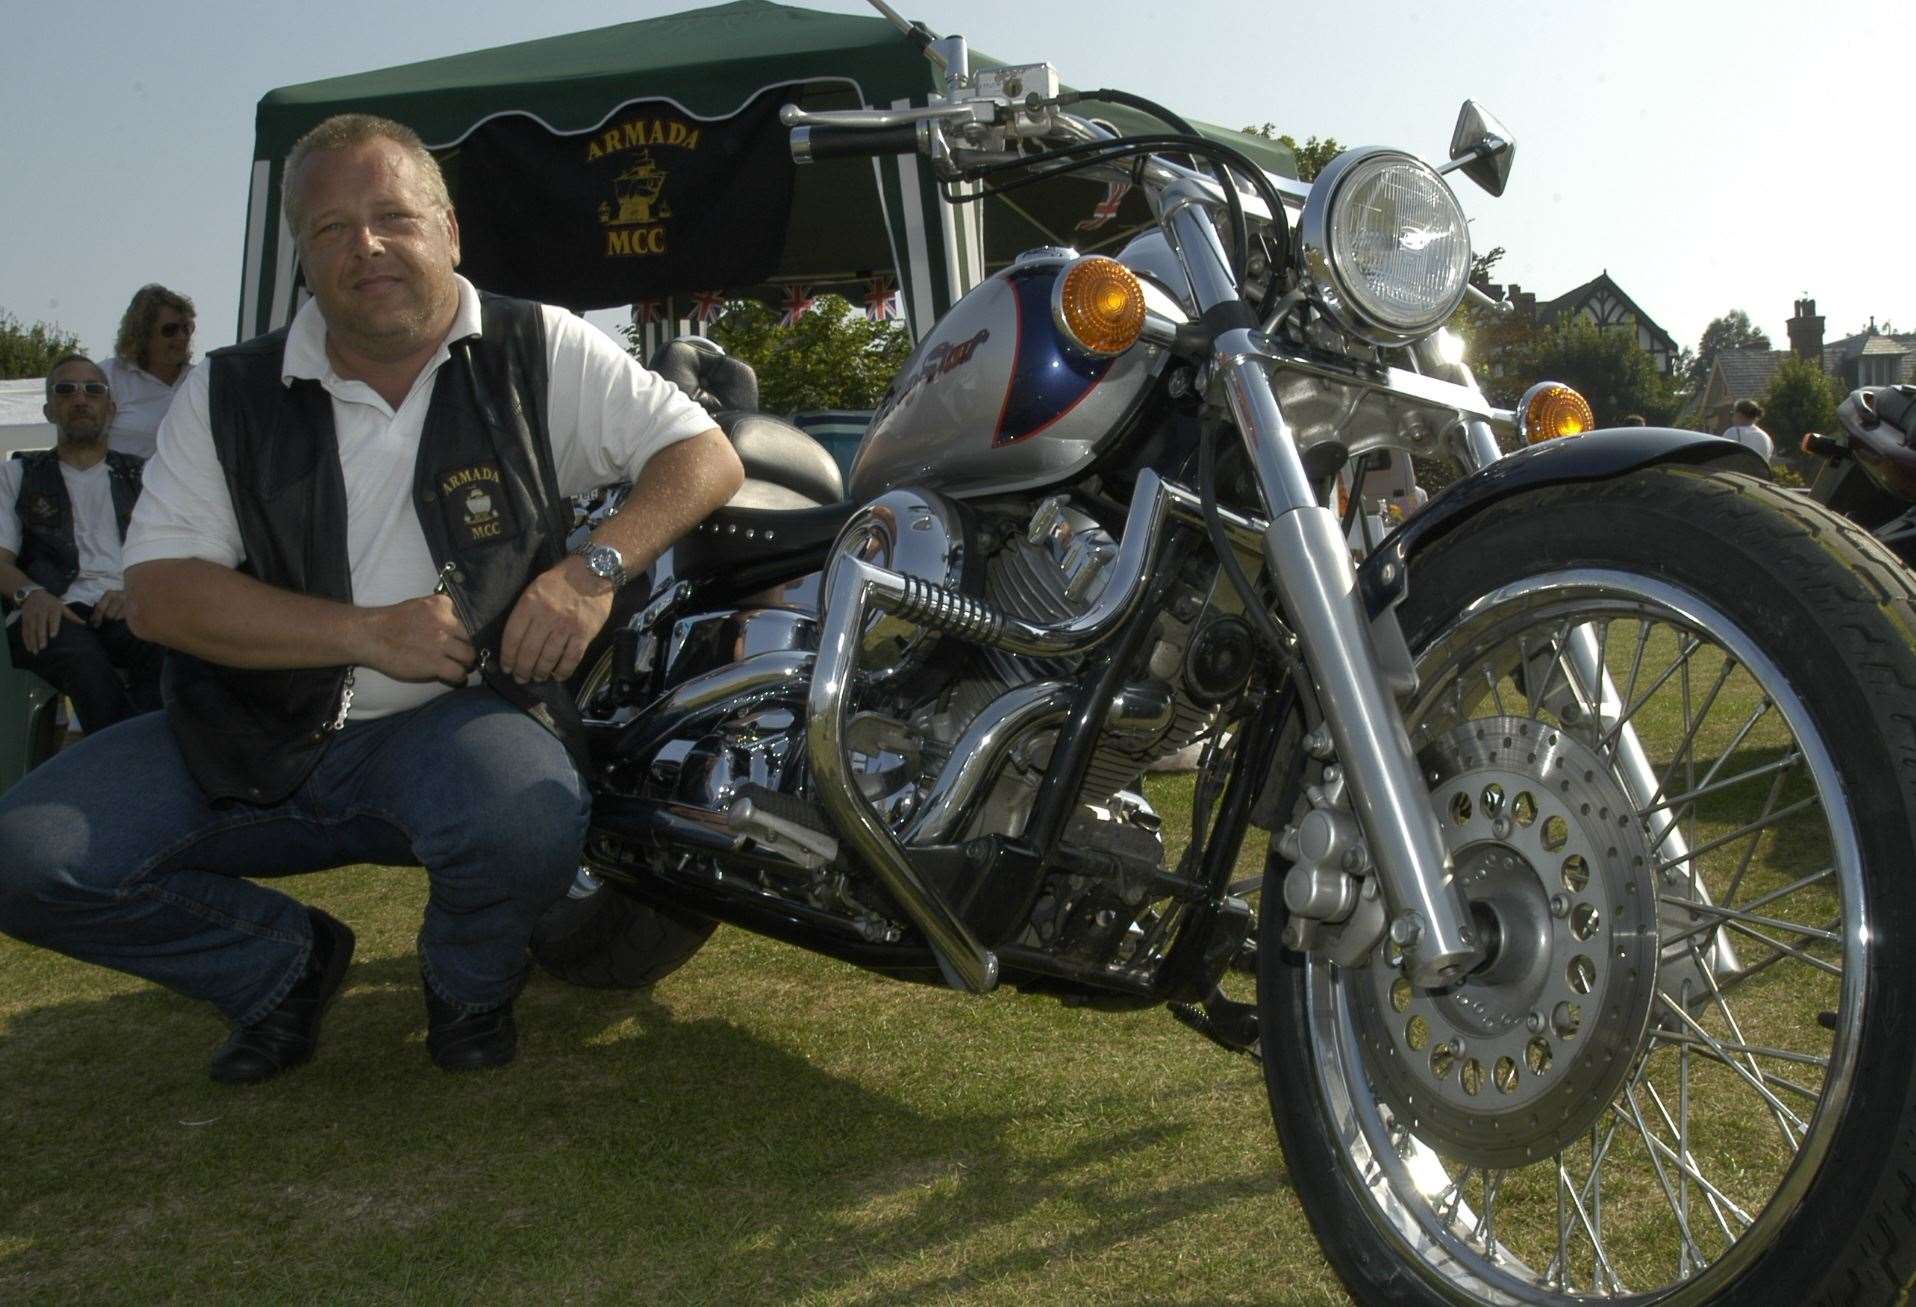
(1384, 243)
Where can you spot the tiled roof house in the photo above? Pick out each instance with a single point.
(1603, 302)
(1868, 358)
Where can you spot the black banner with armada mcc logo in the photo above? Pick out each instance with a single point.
(650, 203)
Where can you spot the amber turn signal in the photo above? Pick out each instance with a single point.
(1551, 409)
(1098, 304)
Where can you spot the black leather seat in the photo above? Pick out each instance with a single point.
(712, 378)
(785, 469)
(784, 458)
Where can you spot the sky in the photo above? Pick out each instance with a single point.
(1709, 154)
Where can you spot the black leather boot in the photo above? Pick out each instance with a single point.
(286, 1037)
(468, 1041)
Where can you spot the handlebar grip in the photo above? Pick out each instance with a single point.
(1821, 446)
(810, 144)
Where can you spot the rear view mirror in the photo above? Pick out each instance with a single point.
(1482, 147)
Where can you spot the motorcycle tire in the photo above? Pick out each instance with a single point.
(609, 940)
(1703, 1165)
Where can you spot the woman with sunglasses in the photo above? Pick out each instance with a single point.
(150, 360)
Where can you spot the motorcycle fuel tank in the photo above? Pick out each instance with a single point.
(996, 399)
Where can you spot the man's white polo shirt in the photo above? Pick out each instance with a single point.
(606, 415)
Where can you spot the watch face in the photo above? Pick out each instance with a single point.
(604, 561)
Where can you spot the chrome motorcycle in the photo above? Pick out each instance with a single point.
(1580, 954)
(1868, 469)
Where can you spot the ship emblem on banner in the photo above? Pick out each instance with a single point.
(637, 219)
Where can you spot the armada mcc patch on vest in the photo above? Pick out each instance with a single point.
(477, 508)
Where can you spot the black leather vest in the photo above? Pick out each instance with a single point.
(487, 498)
(48, 552)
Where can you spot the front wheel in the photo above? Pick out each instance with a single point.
(1683, 1073)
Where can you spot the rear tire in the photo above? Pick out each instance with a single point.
(598, 936)
(1819, 1214)
(609, 940)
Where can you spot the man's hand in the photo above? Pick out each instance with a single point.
(111, 608)
(419, 640)
(553, 622)
(40, 618)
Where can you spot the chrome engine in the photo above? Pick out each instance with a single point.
(949, 738)
(947, 734)
(1055, 571)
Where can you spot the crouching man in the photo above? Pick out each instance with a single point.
(352, 538)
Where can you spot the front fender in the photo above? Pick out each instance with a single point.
(1595, 456)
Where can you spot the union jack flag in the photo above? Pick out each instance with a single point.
(1107, 209)
(707, 305)
(798, 302)
(647, 312)
(881, 299)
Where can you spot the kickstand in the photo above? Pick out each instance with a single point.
(1231, 1025)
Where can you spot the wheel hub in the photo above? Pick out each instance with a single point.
(1518, 1059)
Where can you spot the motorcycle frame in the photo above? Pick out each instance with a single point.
(1310, 564)
(1184, 971)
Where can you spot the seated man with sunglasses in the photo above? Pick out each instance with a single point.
(63, 514)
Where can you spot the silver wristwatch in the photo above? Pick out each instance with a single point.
(20, 595)
(603, 561)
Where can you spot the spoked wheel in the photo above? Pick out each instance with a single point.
(1659, 720)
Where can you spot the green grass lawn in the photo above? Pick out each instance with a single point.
(766, 1126)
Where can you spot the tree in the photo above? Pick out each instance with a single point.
(1608, 368)
(1484, 266)
(834, 357)
(31, 351)
(1801, 397)
(1311, 156)
(1489, 334)
(1731, 331)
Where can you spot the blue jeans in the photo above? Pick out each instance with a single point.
(110, 853)
(83, 662)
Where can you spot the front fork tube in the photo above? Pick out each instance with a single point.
(1594, 687)
(1311, 563)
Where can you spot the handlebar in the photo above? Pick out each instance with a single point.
(1822, 446)
(811, 144)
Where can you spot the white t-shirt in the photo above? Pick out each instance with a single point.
(1754, 437)
(95, 530)
(140, 400)
(606, 416)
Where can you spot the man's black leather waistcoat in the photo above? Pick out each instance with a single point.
(487, 498)
(48, 552)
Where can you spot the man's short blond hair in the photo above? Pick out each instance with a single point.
(343, 131)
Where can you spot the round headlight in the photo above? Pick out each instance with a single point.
(1385, 242)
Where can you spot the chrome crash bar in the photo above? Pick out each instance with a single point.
(853, 590)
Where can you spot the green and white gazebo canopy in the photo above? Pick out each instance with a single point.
(645, 163)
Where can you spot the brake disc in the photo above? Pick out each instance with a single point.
(1526, 1052)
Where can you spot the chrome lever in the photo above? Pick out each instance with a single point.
(978, 111)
